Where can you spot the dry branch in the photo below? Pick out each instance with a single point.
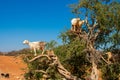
(41, 71)
(39, 56)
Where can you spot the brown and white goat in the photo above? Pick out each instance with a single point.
(77, 24)
(35, 46)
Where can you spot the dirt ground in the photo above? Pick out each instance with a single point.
(14, 66)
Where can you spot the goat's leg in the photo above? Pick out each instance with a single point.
(72, 28)
(35, 52)
(43, 51)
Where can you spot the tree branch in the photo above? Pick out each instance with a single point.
(41, 71)
(39, 56)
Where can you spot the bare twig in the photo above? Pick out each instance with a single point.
(104, 60)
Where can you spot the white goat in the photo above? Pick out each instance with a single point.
(35, 46)
(77, 24)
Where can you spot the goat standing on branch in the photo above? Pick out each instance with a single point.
(35, 46)
(110, 57)
(77, 24)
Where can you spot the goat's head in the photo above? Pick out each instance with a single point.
(78, 19)
(42, 43)
(108, 53)
(25, 42)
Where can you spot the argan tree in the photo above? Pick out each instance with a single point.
(80, 54)
(106, 14)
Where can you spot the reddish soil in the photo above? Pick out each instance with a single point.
(14, 66)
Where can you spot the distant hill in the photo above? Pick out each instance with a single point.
(16, 53)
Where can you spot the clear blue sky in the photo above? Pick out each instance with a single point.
(34, 20)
